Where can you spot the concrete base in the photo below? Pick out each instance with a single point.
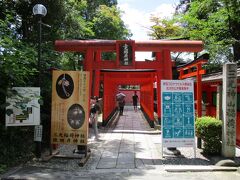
(226, 162)
(172, 151)
(157, 127)
(190, 168)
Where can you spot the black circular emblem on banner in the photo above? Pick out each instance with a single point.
(75, 116)
(64, 86)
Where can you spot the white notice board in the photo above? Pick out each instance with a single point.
(177, 113)
(23, 107)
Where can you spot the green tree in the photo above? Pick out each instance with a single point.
(17, 59)
(216, 23)
(69, 19)
(17, 68)
(233, 12)
(92, 7)
(107, 24)
(164, 28)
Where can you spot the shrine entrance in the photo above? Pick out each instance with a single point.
(126, 69)
(143, 78)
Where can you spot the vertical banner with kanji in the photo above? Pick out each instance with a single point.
(70, 98)
(177, 113)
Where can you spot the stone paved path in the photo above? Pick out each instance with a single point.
(133, 144)
(130, 144)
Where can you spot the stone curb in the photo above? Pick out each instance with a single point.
(11, 171)
(158, 169)
(190, 168)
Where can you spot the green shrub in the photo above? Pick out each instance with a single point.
(16, 146)
(2, 168)
(209, 129)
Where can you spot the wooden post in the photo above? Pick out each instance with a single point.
(97, 83)
(159, 58)
(88, 63)
(167, 64)
(199, 90)
(219, 102)
(199, 99)
(159, 96)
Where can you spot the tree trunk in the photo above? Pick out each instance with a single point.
(236, 52)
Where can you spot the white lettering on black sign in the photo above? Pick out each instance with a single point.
(125, 54)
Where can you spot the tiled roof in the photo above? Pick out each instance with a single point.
(216, 76)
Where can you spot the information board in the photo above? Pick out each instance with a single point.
(23, 107)
(70, 101)
(177, 100)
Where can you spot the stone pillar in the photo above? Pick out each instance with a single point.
(229, 109)
(219, 102)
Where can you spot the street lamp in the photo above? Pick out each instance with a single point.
(40, 11)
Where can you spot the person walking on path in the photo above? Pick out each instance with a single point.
(121, 105)
(135, 100)
(94, 111)
(121, 102)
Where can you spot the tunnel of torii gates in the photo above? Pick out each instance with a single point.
(125, 70)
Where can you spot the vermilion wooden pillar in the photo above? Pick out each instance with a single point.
(158, 81)
(88, 67)
(159, 77)
(199, 90)
(151, 91)
(167, 64)
(97, 73)
(197, 64)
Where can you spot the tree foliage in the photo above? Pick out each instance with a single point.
(92, 7)
(69, 19)
(164, 28)
(17, 58)
(107, 24)
(216, 23)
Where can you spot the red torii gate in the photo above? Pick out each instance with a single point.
(198, 72)
(126, 70)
